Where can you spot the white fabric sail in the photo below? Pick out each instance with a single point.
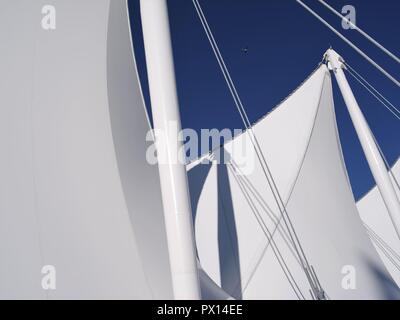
(75, 183)
(380, 227)
(300, 142)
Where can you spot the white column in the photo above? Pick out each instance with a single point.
(374, 158)
(166, 117)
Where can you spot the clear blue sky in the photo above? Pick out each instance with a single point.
(285, 44)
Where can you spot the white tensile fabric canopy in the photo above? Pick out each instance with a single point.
(300, 142)
(75, 185)
(380, 227)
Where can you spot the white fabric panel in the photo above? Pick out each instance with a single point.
(75, 184)
(299, 140)
(328, 225)
(380, 227)
(297, 113)
(209, 289)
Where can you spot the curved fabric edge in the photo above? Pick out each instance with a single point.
(379, 226)
(74, 176)
(229, 243)
(123, 88)
(203, 178)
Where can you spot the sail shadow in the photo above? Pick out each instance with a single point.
(228, 247)
(196, 179)
(388, 287)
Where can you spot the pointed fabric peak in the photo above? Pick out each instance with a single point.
(242, 240)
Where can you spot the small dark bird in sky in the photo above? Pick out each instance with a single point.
(245, 49)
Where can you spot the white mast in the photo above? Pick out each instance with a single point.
(174, 185)
(374, 158)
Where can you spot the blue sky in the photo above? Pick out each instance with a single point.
(285, 43)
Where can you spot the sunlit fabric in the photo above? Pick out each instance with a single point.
(75, 184)
(380, 227)
(300, 142)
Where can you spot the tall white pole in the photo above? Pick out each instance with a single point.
(374, 157)
(166, 117)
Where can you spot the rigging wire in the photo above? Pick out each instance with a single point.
(246, 190)
(276, 220)
(384, 251)
(226, 73)
(386, 103)
(354, 75)
(396, 181)
(270, 238)
(373, 94)
(384, 247)
(377, 95)
(366, 35)
(371, 89)
(271, 182)
(359, 51)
